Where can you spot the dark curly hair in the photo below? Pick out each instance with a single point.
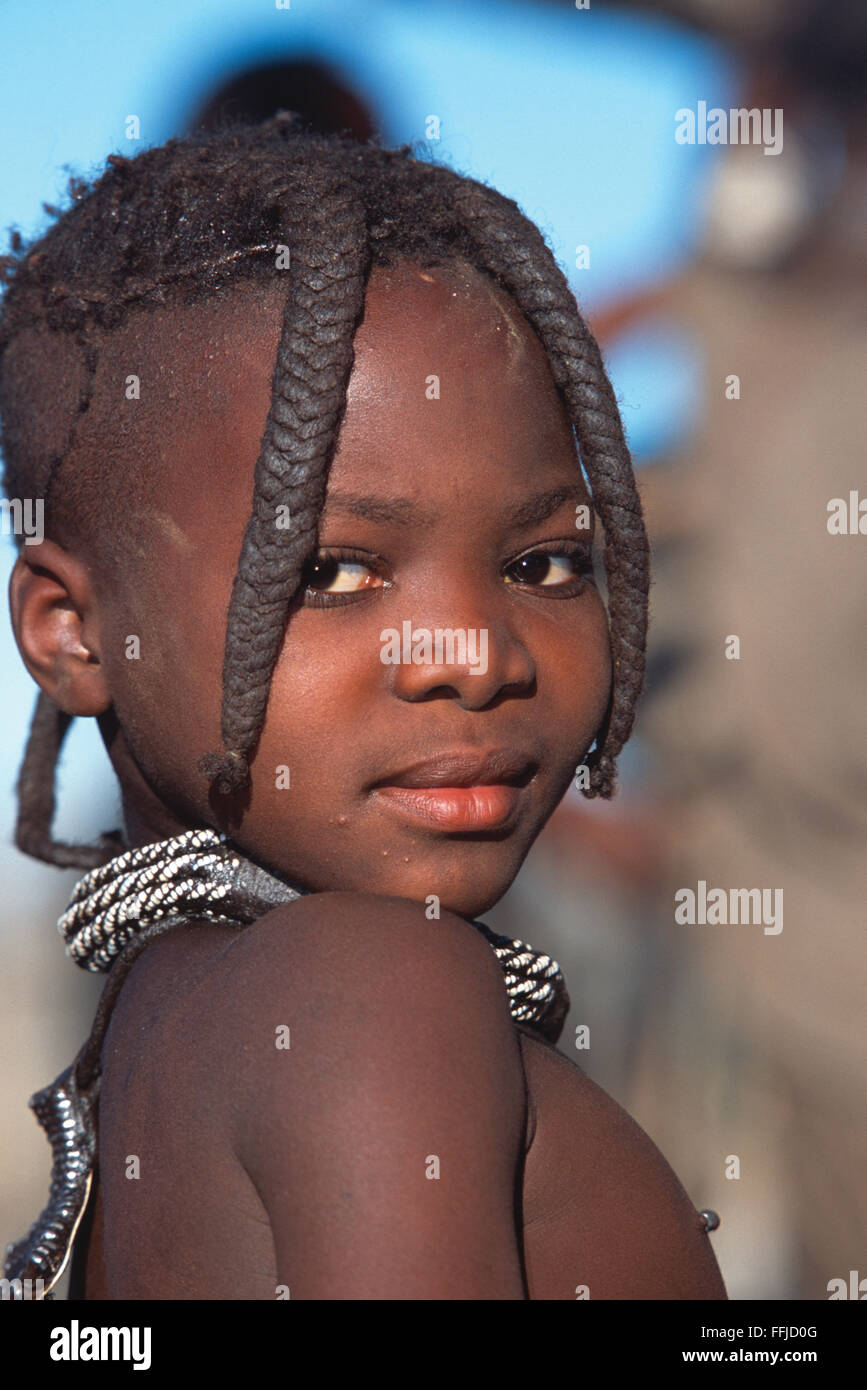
(193, 217)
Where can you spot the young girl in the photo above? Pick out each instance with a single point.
(313, 1074)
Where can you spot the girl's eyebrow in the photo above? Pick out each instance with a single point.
(402, 511)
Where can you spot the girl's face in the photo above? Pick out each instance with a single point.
(449, 535)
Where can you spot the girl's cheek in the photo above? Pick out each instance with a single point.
(586, 642)
(585, 678)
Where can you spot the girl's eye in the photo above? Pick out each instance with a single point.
(332, 576)
(551, 569)
(339, 576)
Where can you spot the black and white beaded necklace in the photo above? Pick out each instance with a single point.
(114, 911)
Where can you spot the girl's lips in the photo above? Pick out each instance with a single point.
(457, 808)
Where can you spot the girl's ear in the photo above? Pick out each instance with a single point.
(56, 626)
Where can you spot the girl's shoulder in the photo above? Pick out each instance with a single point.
(218, 1002)
(316, 953)
(355, 1063)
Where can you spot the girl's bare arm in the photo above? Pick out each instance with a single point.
(378, 1099)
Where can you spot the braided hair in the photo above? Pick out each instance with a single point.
(183, 222)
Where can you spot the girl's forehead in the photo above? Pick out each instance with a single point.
(447, 376)
(200, 350)
(453, 301)
(452, 407)
(428, 336)
(449, 331)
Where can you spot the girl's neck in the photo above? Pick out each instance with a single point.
(146, 817)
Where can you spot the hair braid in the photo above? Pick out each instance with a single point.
(36, 796)
(327, 236)
(515, 251)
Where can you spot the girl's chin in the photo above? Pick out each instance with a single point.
(468, 900)
(468, 880)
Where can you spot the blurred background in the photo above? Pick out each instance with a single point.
(725, 286)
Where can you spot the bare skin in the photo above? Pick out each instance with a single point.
(311, 1168)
